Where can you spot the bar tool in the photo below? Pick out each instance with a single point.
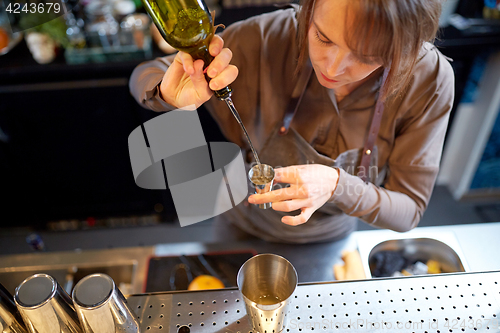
(10, 319)
(101, 307)
(267, 281)
(262, 177)
(45, 307)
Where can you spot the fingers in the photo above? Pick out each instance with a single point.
(199, 81)
(172, 76)
(288, 193)
(291, 175)
(302, 218)
(303, 191)
(291, 205)
(177, 69)
(221, 73)
(187, 62)
(216, 45)
(226, 77)
(301, 174)
(222, 58)
(220, 62)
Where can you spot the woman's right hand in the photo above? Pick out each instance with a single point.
(184, 82)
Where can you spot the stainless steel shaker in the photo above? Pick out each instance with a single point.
(45, 307)
(267, 281)
(101, 307)
(10, 320)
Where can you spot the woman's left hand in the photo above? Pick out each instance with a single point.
(310, 188)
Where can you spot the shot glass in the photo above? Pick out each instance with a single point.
(45, 307)
(101, 307)
(262, 177)
(266, 282)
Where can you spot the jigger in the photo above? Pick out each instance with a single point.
(45, 307)
(101, 307)
(262, 177)
(267, 281)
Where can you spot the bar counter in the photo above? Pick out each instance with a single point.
(467, 302)
(437, 300)
(479, 244)
(463, 302)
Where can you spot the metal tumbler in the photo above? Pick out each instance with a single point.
(101, 307)
(45, 307)
(262, 177)
(10, 320)
(266, 282)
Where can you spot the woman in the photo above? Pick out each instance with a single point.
(338, 92)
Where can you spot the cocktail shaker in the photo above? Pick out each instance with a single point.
(267, 281)
(101, 307)
(45, 307)
(10, 320)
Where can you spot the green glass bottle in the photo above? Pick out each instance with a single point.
(187, 26)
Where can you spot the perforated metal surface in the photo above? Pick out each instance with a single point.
(468, 302)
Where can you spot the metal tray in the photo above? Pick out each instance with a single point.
(460, 302)
(440, 246)
(422, 249)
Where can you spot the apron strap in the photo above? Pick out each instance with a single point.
(297, 94)
(293, 105)
(373, 133)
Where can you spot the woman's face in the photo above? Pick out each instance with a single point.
(334, 63)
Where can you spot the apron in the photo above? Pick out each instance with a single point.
(285, 147)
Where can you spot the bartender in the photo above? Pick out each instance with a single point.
(347, 99)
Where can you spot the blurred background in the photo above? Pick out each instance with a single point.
(66, 113)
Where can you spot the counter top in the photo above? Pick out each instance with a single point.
(314, 262)
(479, 244)
(431, 303)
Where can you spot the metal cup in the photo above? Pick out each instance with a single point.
(262, 177)
(10, 320)
(45, 307)
(101, 307)
(266, 282)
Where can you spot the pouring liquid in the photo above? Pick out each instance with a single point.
(188, 26)
(230, 104)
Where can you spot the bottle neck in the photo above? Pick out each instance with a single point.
(203, 54)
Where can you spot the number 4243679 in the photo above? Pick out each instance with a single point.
(471, 324)
(48, 7)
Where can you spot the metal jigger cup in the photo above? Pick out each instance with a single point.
(271, 276)
(45, 307)
(101, 307)
(268, 172)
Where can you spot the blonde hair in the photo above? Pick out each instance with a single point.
(390, 31)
